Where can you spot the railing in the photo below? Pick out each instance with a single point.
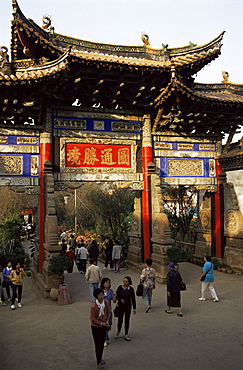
(187, 247)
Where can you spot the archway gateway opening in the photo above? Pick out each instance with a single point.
(74, 111)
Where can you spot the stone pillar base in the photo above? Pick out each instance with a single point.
(160, 258)
(203, 244)
(38, 280)
(233, 253)
(134, 255)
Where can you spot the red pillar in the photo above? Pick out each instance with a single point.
(147, 157)
(218, 226)
(45, 154)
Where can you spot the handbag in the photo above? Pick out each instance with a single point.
(202, 278)
(139, 290)
(116, 311)
(183, 286)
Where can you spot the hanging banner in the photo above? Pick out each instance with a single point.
(97, 155)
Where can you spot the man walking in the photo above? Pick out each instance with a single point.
(93, 277)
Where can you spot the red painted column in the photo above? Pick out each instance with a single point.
(147, 157)
(45, 154)
(217, 202)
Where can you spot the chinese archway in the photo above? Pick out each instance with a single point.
(73, 111)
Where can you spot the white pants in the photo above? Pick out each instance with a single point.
(210, 287)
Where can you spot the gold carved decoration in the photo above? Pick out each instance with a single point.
(183, 167)
(134, 185)
(225, 77)
(125, 126)
(145, 39)
(205, 218)
(10, 164)
(27, 140)
(46, 22)
(231, 222)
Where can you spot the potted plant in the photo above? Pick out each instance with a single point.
(224, 267)
(57, 265)
(229, 270)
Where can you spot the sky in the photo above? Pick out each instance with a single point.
(172, 22)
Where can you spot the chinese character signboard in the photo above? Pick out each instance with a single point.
(98, 155)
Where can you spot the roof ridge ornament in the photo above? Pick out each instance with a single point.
(46, 22)
(145, 39)
(225, 77)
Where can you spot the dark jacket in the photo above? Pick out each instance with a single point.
(173, 281)
(128, 295)
(93, 252)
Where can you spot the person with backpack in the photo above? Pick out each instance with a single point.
(7, 283)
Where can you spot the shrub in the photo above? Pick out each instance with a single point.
(58, 264)
(174, 254)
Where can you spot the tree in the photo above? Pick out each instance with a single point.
(10, 246)
(100, 208)
(11, 230)
(180, 208)
(11, 202)
(113, 208)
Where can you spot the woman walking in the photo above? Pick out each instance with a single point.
(99, 317)
(116, 256)
(126, 300)
(109, 296)
(16, 276)
(173, 289)
(208, 275)
(148, 280)
(7, 283)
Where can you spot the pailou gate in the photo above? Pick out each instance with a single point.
(73, 111)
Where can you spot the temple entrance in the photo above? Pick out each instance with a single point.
(75, 111)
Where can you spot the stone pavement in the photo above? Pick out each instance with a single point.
(43, 335)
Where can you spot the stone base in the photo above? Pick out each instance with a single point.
(160, 258)
(202, 249)
(234, 258)
(134, 254)
(38, 280)
(54, 294)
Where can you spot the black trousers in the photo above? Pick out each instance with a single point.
(127, 312)
(14, 296)
(7, 286)
(70, 269)
(83, 265)
(108, 260)
(99, 340)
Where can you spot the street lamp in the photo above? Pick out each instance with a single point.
(75, 187)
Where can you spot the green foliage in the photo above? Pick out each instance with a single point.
(174, 254)
(180, 209)
(11, 231)
(58, 264)
(17, 255)
(113, 210)
(10, 244)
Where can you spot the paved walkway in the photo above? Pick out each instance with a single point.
(43, 335)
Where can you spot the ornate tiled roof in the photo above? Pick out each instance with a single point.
(28, 71)
(64, 70)
(35, 41)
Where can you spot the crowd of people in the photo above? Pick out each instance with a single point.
(102, 295)
(125, 299)
(79, 251)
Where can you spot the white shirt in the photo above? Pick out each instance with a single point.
(83, 253)
(116, 253)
